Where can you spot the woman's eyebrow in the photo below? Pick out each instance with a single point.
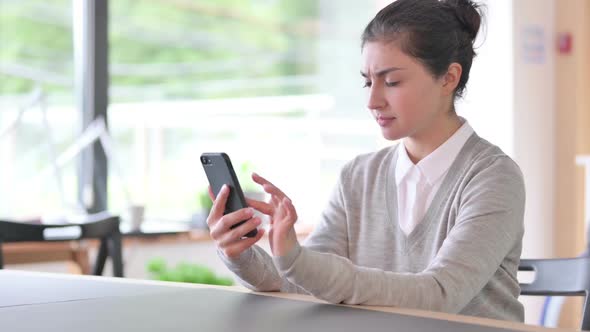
(382, 72)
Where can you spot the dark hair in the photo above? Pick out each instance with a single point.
(437, 33)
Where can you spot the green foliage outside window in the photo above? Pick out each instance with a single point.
(166, 49)
(185, 272)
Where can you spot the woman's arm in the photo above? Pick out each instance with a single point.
(255, 270)
(255, 267)
(488, 226)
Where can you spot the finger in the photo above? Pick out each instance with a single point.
(211, 195)
(258, 179)
(218, 206)
(223, 225)
(267, 185)
(292, 213)
(286, 214)
(271, 189)
(275, 200)
(282, 210)
(260, 206)
(239, 232)
(230, 219)
(291, 207)
(237, 248)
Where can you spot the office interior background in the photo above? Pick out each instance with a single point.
(276, 85)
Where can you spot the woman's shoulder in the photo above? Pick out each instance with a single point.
(483, 156)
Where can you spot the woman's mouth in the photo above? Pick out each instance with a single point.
(385, 121)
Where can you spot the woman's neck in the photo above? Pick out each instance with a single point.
(424, 142)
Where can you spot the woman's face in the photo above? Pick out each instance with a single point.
(405, 99)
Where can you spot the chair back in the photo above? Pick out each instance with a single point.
(560, 277)
(103, 226)
(94, 227)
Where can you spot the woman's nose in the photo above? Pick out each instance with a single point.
(376, 99)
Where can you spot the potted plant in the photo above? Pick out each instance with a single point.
(185, 272)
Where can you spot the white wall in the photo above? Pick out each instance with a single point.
(533, 129)
(488, 102)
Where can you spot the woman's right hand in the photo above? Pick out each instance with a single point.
(231, 241)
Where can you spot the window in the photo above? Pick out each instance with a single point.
(36, 78)
(257, 79)
(274, 83)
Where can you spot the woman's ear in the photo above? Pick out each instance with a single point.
(452, 78)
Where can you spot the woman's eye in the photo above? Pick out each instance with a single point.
(391, 84)
(367, 85)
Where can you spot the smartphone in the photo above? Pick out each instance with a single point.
(220, 171)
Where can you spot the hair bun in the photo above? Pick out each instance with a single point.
(468, 15)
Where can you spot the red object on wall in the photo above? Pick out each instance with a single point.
(564, 43)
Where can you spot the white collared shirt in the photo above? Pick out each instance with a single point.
(417, 184)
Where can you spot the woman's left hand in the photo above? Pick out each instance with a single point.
(282, 215)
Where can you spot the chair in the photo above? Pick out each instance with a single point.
(101, 226)
(560, 277)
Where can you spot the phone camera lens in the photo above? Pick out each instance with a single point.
(204, 160)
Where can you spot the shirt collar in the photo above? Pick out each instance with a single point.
(437, 162)
(403, 164)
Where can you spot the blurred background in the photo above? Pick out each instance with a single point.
(276, 85)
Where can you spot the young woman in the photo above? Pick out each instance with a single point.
(434, 222)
